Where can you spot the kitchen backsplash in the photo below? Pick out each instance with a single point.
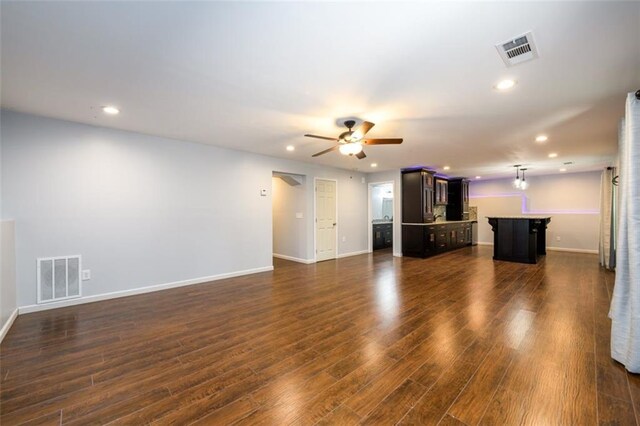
(440, 210)
(473, 213)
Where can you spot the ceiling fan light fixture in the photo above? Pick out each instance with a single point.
(351, 148)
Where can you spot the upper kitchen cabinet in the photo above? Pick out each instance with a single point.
(441, 191)
(417, 196)
(458, 205)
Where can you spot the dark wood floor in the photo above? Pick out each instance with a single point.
(457, 339)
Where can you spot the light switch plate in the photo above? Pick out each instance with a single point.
(263, 192)
(86, 274)
(299, 215)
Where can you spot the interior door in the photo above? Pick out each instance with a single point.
(325, 220)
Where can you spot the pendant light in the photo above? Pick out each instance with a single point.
(523, 184)
(517, 182)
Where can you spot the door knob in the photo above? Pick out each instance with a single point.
(334, 224)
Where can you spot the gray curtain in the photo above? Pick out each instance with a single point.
(625, 303)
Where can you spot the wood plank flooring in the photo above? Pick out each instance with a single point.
(458, 339)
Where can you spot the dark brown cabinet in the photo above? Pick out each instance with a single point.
(458, 201)
(382, 235)
(417, 196)
(441, 192)
(519, 239)
(431, 239)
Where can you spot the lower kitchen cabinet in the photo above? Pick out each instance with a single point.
(424, 240)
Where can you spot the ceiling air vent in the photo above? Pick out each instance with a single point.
(518, 50)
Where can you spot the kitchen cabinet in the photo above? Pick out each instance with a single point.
(441, 191)
(382, 235)
(458, 201)
(417, 196)
(425, 240)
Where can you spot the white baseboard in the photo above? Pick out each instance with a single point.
(7, 325)
(140, 290)
(568, 249)
(293, 259)
(353, 253)
(572, 250)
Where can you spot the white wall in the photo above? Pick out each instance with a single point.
(289, 231)
(572, 199)
(145, 210)
(392, 176)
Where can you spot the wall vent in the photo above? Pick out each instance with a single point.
(59, 278)
(518, 50)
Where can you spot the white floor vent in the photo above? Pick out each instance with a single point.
(59, 278)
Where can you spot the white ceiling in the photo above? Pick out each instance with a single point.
(257, 76)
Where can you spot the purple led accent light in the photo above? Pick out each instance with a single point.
(525, 210)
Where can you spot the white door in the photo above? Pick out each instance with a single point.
(325, 220)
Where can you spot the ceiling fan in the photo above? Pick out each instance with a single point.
(351, 141)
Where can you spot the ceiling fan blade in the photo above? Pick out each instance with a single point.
(325, 151)
(390, 141)
(322, 137)
(362, 130)
(361, 155)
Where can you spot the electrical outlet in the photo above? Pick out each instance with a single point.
(299, 215)
(558, 238)
(344, 239)
(86, 274)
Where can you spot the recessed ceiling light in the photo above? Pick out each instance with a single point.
(478, 177)
(291, 148)
(374, 164)
(111, 110)
(563, 169)
(553, 155)
(446, 168)
(505, 84)
(542, 138)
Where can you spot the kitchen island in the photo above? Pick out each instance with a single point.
(519, 238)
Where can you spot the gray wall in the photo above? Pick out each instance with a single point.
(289, 232)
(145, 210)
(572, 199)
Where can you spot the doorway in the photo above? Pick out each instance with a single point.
(289, 215)
(326, 223)
(381, 208)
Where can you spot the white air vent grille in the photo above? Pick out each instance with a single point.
(518, 50)
(59, 278)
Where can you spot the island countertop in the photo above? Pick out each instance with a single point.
(442, 222)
